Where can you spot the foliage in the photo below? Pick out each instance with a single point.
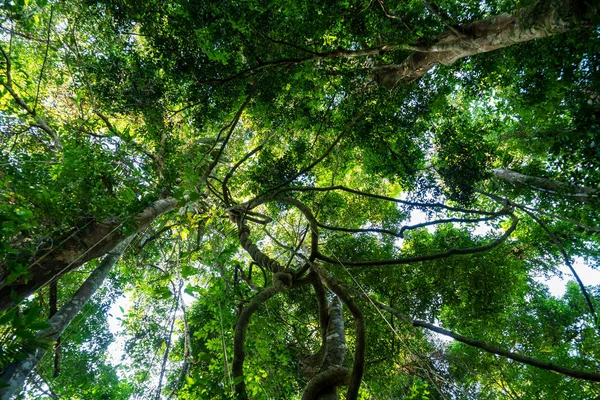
(267, 124)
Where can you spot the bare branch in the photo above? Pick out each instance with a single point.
(386, 198)
(435, 10)
(37, 94)
(430, 257)
(237, 367)
(589, 376)
(327, 151)
(233, 124)
(257, 255)
(400, 234)
(238, 164)
(371, 51)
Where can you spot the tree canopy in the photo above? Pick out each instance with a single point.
(299, 199)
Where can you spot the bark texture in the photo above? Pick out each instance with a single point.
(330, 374)
(85, 244)
(541, 19)
(15, 374)
(574, 192)
(257, 255)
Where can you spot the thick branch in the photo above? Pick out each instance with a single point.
(80, 246)
(540, 20)
(334, 376)
(578, 193)
(332, 358)
(360, 342)
(469, 341)
(257, 255)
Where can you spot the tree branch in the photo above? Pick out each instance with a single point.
(237, 368)
(589, 376)
(360, 341)
(430, 257)
(386, 198)
(400, 234)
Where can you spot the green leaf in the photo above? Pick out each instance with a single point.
(31, 315)
(38, 326)
(24, 334)
(7, 316)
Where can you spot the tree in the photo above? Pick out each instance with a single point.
(16, 373)
(329, 184)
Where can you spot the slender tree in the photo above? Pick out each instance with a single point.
(15, 374)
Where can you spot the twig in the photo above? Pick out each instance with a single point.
(37, 94)
(39, 122)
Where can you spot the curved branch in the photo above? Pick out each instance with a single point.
(317, 161)
(583, 227)
(321, 305)
(257, 255)
(360, 342)
(334, 376)
(314, 229)
(556, 242)
(400, 234)
(292, 250)
(238, 164)
(430, 257)
(569, 264)
(589, 376)
(237, 367)
(386, 198)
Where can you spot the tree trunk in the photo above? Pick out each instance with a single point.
(87, 243)
(573, 192)
(542, 19)
(330, 373)
(15, 374)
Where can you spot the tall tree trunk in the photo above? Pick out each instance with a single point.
(15, 374)
(578, 193)
(85, 244)
(542, 19)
